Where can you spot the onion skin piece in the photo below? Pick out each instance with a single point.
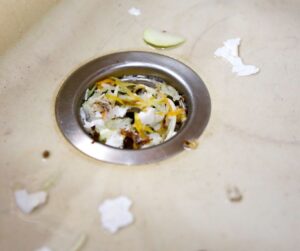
(162, 39)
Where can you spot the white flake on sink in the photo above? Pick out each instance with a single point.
(28, 202)
(44, 249)
(134, 11)
(115, 213)
(230, 52)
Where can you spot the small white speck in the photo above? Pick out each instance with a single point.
(115, 213)
(134, 11)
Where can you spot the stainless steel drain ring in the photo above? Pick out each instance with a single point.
(185, 80)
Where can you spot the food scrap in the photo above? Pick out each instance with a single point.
(190, 144)
(44, 249)
(230, 52)
(115, 213)
(134, 11)
(28, 202)
(234, 194)
(131, 115)
(162, 39)
(46, 154)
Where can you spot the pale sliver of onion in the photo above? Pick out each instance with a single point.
(162, 39)
(172, 122)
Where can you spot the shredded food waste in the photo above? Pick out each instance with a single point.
(131, 115)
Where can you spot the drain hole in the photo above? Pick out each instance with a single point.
(145, 119)
(132, 111)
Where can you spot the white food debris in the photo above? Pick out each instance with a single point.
(150, 117)
(146, 95)
(115, 213)
(118, 112)
(230, 52)
(171, 128)
(82, 114)
(86, 95)
(169, 91)
(134, 11)
(118, 124)
(44, 249)
(155, 140)
(105, 133)
(115, 139)
(106, 87)
(109, 112)
(28, 202)
(98, 121)
(98, 115)
(172, 122)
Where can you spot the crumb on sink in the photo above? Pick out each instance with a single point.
(234, 194)
(46, 154)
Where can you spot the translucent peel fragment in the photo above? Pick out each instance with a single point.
(115, 213)
(161, 38)
(28, 202)
(172, 122)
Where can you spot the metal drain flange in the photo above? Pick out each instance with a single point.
(173, 72)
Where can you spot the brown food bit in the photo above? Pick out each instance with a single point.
(133, 141)
(130, 140)
(165, 123)
(234, 194)
(144, 141)
(95, 136)
(178, 126)
(46, 154)
(131, 116)
(134, 109)
(139, 91)
(190, 144)
(103, 108)
(128, 143)
(130, 113)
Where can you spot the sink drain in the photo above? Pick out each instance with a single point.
(141, 67)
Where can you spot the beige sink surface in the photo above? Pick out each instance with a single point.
(252, 140)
